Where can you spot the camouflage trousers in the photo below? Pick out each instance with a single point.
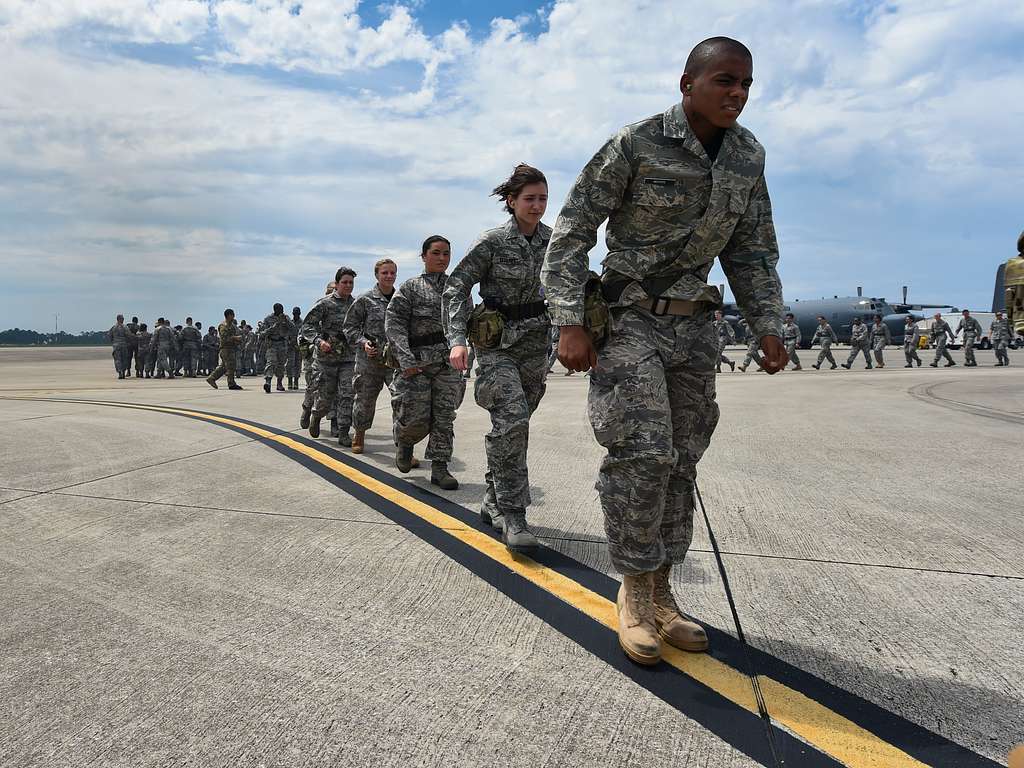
(332, 389)
(228, 363)
(791, 348)
(753, 345)
(509, 386)
(652, 406)
(856, 349)
(941, 351)
(276, 359)
(164, 359)
(826, 353)
(910, 352)
(150, 361)
(721, 356)
(1002, 355)
(969, 342)
(212, 355)
(878, 349)
(293, 366)
(122, 358)
(425, 404)
(307, 374)
(370, 378)
(190, 358)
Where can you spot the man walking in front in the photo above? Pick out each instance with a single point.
(911, 339)
(230, 340)
(972, 330)
(678, 190)
(940, 334)
(827, 337)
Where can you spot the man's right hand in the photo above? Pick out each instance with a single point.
(370, 349)
(575, 349)
(325, 347)
(458, 358)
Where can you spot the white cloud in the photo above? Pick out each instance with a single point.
(887, 131)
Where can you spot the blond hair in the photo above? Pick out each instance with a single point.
(381, 263)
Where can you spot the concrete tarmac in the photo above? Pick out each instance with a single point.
(175, 592)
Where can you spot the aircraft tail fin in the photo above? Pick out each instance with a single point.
(999, 296)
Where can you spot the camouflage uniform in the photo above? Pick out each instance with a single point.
(294, 367)
(554, 335)
(940, 333)
(880, 339)
(911, 338)
(230, 339)
(999, 332)
(791, 338)
(510, 378)
(671, 211)
(859, 342)
(166, 346)
(211, 348)
(277, 331)
(121, 338)
(143, 359)
(972, 330)
(753, 345)
(331, 372)
(726, 335)
(191, 345)
(133, 350)
(824, 335)
(365, 324)
(424, 403)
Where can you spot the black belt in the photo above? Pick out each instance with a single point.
(524, 311)
(437, 337)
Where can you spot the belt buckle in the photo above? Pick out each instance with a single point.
(660, 306)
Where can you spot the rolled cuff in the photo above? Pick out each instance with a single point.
(767, 326)
(562, 316)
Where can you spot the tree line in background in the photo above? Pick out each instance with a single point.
(18, 337)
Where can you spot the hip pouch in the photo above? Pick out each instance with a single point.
(485, 327)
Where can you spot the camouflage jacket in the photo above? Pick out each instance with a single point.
(278, 331)
(326, 322)
(211, 340)
(791, 333)
(1000, 330)
(143, 339)
(939, 330)
(120, 336)
(229, 335)
(823, 333)
(163, 336)
(507, 266)
(191, 337)
(859, 334)
(415, 311)
(970, 327)
(724, 331)
(911, 336)
(365, 320)
(880, 332)
(671, 211)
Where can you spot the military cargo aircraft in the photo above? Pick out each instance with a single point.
(840, 311)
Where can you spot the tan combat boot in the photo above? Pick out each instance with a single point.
(637, 634)
(357, 440)
(682, 633)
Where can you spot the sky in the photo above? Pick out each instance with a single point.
(174, 157)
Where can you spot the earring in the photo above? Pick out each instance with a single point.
(689, 88)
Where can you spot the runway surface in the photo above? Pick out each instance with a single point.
(190, 579)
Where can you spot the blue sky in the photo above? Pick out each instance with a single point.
(173, 157)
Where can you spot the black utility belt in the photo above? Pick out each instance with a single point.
(515, 312)
(427, 339)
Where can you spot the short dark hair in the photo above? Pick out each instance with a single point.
(342, 271)
(296, 311)
(278, 308)
(790, 314)
(706, 51)
(135, 319)
(120, 317)
(878, 317)
(142, 326)
(431, 240)
(522, 175)
(229, 312)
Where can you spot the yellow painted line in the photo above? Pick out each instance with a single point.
(826, 730)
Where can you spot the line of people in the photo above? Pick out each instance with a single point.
(868, 340)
